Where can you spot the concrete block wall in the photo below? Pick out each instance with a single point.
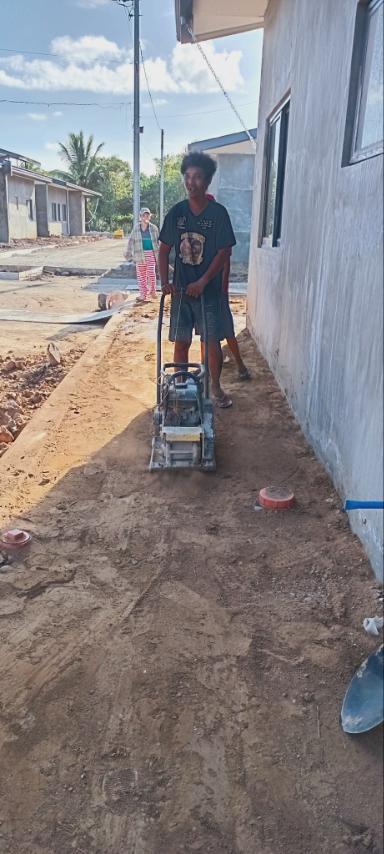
(76, 213)
(57, 196)
(41, 195)
(4, 224)
(315, 303)
(20, 191)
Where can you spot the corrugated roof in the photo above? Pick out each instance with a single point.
(47, 179)
(4, 153)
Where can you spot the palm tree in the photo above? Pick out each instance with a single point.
(84, 167)
(82, 162)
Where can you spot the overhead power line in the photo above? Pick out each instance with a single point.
(111, 105)
(203, 112)
(219, 83)
(17, 51)
(27, 52)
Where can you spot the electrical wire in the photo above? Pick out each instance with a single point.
(59, 56)
(219, 83)
(149, 91)
(203, 112)
(106, 106)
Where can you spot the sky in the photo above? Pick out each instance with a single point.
(81, 51)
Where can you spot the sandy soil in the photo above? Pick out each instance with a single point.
(173, 661)
(26, 379)
(66, 294)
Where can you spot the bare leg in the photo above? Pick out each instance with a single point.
(234, 348)
(215, 360)
(181, 352)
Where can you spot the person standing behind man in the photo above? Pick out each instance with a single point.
(201, 233)
(143, 248)
(227, 324)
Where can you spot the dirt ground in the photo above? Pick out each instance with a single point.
(56, 294)
(172, 661)
(26, 379)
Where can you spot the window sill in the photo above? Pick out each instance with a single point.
(362, 156)
(267, 244)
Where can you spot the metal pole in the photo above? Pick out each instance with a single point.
(136, 111)
(162, 179)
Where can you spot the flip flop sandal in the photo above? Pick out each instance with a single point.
(223, 402)
(244, 375)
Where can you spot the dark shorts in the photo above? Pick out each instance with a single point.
(227, 329)
(186, 317)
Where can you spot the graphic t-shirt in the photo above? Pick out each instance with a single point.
(146, 238)
(197, 239)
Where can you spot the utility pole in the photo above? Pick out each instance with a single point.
(161, 179)
(136, 110)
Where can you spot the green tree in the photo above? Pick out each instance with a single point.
(82, 160)
(115, 206)
(83, 163)
(173, 185)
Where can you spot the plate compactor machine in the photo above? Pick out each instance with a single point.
(183, 419)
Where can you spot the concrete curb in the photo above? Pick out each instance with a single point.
(19, 275)
(73, 271)
(43, 427)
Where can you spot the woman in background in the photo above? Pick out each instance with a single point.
(143, 248)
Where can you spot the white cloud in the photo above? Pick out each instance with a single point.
(85, 65)
(37, 117)
(57, 113)
(157, 102)
(86, 49)
(51, 146)
(91, 4)
(192, 74)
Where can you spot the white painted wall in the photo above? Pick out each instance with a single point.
(57, 196)
(315, 303)
(19, 192)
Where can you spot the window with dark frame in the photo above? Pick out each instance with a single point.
(54, 212)
(58, 213)
(276, 155)
(29, 204)
(64, 212)
(364, 124)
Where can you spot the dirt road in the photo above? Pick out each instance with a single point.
(173, 661)
(101, 253)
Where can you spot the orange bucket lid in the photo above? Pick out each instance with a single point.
(276, 497)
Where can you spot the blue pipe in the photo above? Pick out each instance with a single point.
(363, 505)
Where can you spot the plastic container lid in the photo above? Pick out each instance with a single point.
(15, 538)
(276, 497)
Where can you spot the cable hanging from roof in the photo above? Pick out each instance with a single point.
(219, 83)
(149, 91)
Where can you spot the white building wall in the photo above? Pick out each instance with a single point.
(57, 196)
(315, 303)
(20, 191)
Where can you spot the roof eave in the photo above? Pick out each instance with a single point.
(191, 16)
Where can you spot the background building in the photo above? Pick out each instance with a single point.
(232, 184)
(35, 205)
